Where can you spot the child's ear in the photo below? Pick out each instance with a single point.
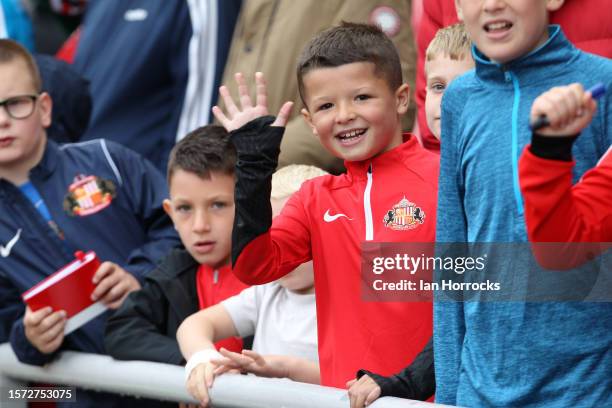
(554, 5)
(308, 119)
(167, 207)
(402, 97)
(46, 107)
(459, 10)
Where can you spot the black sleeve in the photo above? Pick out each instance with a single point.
(553, 148)
(417, 381)
(257, 147)
(137, 330)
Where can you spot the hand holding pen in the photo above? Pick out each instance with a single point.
(565, 110)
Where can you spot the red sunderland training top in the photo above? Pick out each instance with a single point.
(326, 221)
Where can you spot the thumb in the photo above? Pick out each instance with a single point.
(283, 115)
(209, 375)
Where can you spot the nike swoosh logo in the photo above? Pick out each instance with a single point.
(327, 217)
(6, 250)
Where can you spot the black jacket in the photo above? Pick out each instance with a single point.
(144, 327)
(417, 381)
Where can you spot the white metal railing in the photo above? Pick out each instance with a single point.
(166, 382)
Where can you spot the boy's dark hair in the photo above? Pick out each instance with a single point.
(349, 43)
(11, 51)
(204, 150)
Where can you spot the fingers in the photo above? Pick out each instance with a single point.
(256, 357)
(228, 101)
(283, 115)
(45, 330)
(261, 90)
(350, 383)
(114, 286)
(51, 327)
(220, 116)
(209, 375)
(236, 357)
(373, 395)
(363, 392)
(243, 91)
(569, 110)
(105, 278)
(107, 268)
(196, 384)
(32, 319)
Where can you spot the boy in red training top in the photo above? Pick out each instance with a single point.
(351, 84)
(556, 211)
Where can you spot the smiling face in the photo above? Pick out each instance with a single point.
(505, 30)
(353, 111)
(22, 141)
(202, 210)
(440, 71)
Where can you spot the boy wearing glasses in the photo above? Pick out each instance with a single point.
(56, 200)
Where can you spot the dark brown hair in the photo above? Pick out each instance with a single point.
(204, 150)
(349, 43)
(11, 51)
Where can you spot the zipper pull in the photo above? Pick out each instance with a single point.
(215, 276)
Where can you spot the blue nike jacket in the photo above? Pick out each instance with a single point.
(101, 197)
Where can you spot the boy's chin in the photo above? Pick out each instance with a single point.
(211, 260)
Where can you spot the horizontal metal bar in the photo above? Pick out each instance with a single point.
(166, 382)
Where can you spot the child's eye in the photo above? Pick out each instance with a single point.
(363, 97)
(325, 106)
(219, 205)
(437, 87)
(183, 208)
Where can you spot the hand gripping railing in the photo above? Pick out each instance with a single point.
(166, 382)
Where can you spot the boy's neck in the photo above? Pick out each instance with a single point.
(19, 173)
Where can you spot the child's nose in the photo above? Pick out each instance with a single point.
(345, 113)
(493, 5)
(4, 116)
(201, 222)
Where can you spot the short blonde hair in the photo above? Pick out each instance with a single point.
(452, 42)
(289, 179)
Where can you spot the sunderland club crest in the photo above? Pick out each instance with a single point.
(88, 195)
(404, 215)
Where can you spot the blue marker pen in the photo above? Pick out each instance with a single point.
(542, 121)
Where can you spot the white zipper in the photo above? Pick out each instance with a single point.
(367, 207)
(215, 276)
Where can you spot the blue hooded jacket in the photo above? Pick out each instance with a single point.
(515, 353)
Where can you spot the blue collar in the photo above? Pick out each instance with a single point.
(48, 163)
(41, 171)
(540, 64)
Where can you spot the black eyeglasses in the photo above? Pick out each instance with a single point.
(19, 107)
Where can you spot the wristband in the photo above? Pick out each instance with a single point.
(202, 356)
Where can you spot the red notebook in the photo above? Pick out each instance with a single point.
(69, 289)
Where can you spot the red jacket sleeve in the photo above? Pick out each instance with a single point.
(279, 251)
(556, 211)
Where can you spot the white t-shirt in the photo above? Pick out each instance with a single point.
(283, 322)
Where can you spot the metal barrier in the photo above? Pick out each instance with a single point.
(166, 382)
